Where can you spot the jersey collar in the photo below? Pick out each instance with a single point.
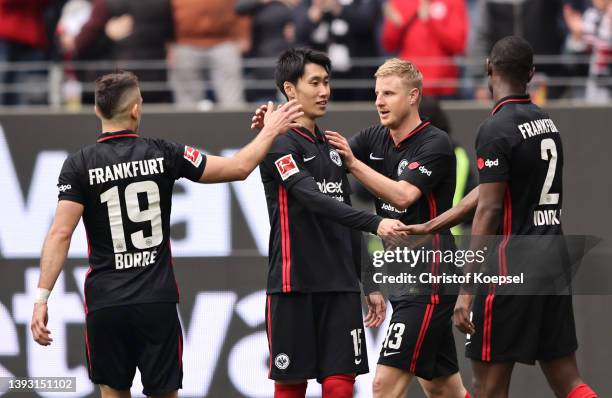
(521, 99)
(415, 131)
(305, 133)
(116, 134)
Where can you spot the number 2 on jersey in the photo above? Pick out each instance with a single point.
(153, 215)
(546, 198)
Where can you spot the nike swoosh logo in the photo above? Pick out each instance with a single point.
(357, 361)
(374, 157)
(468, 342)
(388, 354)
(310, 158)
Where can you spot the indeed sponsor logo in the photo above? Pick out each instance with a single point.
(330, 187)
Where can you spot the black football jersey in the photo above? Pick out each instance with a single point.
(314, 245)
(521, 145)
(125, 184)
(425, 159)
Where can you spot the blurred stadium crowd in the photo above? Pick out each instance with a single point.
(198, 54)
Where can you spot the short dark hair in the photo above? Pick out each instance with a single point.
(110, 89)
(291, 63)
(512, 57)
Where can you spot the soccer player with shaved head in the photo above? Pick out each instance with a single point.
(121, 186)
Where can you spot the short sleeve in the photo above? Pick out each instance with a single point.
(431, 163)
(285, 161)
(70, 184)
(359, 145)
(493, 155)
(184, 161)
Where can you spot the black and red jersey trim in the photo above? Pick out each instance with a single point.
(435, 264)
(503, 270)
(419, 128)
(283, 210)
(523, 99)
(422, 332)
(118, 135)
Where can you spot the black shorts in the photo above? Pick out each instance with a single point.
(147, 336)
(522, 328)
(420, 339)
(315, 335)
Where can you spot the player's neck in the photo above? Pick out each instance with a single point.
(405, 128)
(109, 127)
(307, 123)
(505, 89)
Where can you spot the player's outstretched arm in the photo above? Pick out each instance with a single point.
(239, 166)
(486, 220)
(55, 250)
(453, 216)
(400, 194)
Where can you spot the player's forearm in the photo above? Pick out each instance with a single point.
(384, 188)
(486, 220)
(252, 154)
(455, 215)
(309, 196)
(55, 251)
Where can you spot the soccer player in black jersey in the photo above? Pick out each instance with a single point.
(313, 309)
(409, 166)
(520, 162)
(122, 187)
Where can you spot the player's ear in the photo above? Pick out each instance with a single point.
(488, 67)
(414, 96)
(97, 111)
(289, 90)
(531, 73)
(135, 111)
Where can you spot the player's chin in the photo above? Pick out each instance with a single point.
(319, 111)
(386, 122)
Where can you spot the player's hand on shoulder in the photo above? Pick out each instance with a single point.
(341, 144)
(377, 310)
(283, 118)
(40, 317)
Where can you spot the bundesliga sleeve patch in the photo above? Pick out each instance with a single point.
(286, 166)
(193, 156)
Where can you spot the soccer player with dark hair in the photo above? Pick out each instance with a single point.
(122, 188)
(520, 162)
(313, 309)
(409, 166)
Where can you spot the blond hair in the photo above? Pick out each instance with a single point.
(404, 69)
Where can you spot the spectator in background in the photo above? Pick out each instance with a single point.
(209, 35)
(22, 38)
(128, 30)
(344, 29)
(592, 32)
(428, 33)
(272, 32)
(537, 21)
(575, 48)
